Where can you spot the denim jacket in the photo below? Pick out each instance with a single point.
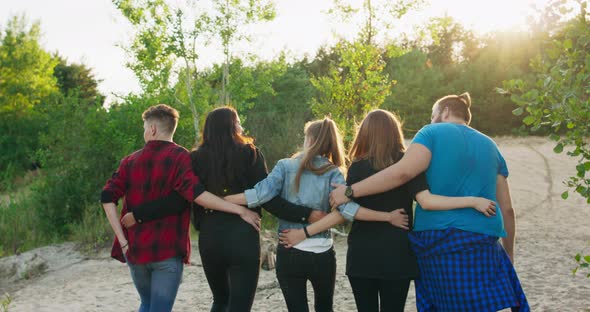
(314, 190)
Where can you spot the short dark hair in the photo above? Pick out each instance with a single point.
(164, 114)
(459, 105)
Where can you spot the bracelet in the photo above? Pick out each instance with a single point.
(126, 244)
(306, 232)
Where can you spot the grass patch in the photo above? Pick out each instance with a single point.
(93, 232)
(19, 230)
(5, 302)
(269, 222)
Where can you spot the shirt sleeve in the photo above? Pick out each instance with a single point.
(418, 184)
(347, 210)
(116, 186)
(172, 204)
(268, 188)
(424, 137)
(286, 210)
(186, 183)
(502, 167)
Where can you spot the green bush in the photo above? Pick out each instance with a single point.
(93, 232)
(19, 227)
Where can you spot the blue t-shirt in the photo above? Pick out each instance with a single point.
(465, 162)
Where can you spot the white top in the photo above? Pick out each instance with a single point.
(315, 245)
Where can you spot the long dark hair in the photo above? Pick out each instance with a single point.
(221, 151)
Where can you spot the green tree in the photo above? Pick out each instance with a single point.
(277, 117)
(228, 21)
(168, 38)
(77, 78)
(558, 99)
(152, 49)
(353, 87)
(356, 83)
(375, 16)
(419, 84)
(26, 70)
(26, 81)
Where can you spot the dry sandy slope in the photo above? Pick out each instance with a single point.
(550, 231)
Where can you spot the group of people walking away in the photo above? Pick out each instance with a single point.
(450, 248)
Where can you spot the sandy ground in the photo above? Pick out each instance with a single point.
(550, 232)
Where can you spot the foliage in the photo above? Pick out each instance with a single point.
(377, 16)
(152, 49)
(5, 302)
(169, 36)
(77, 78)
(228, 21)
(355, 82)
(409, 98)
(583, 263)
(26, 80)
(93, 232)
(18, 225)
(81, 148)
(558, 99)
(277, 118)
(353, 87)
(26, 70)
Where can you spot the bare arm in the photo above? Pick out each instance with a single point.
(505, 202)
(398, 217)
(325, 223)
(110, 210)
(239, 199)
(363, 214)
(430, 201)
(290, 238)
(416, 160)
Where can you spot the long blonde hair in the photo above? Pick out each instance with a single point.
(379, 139)
(324, 140)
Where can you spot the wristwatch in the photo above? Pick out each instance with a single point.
(349, 192)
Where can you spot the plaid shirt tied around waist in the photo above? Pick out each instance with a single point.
(158, 169)
(464, 271)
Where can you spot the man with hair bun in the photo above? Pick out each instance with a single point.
(463, 267)
(155, 251)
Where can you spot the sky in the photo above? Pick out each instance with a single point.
(91, 31)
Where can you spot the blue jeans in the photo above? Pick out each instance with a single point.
(157, 283)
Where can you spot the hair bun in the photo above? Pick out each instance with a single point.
(466, 98)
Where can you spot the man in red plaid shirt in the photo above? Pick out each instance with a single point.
(155, 250)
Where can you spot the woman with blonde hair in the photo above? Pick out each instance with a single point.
(380, 263)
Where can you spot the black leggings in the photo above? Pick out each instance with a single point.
(368, 292)
(230, 252)
(296, 267)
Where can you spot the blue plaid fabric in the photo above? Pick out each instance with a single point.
(464, 271)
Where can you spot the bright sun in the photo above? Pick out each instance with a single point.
(485, 16)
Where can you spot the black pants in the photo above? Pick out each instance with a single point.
(369, 292)
(296, 267)
(230, 252)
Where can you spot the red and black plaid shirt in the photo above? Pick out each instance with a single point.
(155, 171)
